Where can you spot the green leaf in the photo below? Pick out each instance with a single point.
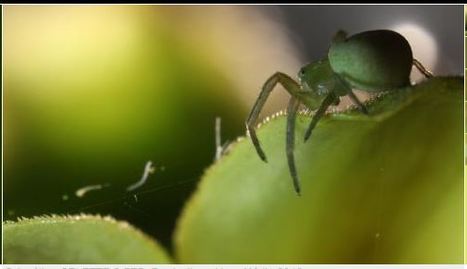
(385, 188)
(78, 239)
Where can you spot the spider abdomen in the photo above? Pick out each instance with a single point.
(376, 60)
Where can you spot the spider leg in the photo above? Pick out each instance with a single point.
(357, 102)
(290, 140)
(422, 69)
(329, 100)
(346, 89)
(289, 84)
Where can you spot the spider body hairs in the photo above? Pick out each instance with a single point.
(373, 61)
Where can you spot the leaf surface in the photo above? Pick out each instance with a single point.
(81, 239)
(384, 188)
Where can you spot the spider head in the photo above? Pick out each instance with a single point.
(317, 80)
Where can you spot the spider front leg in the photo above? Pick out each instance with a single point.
(289, 84)
(330, 99)
(292, 108)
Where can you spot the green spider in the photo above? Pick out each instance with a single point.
(373, 61)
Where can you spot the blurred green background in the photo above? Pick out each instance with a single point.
(91, 93)
(94, 92)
